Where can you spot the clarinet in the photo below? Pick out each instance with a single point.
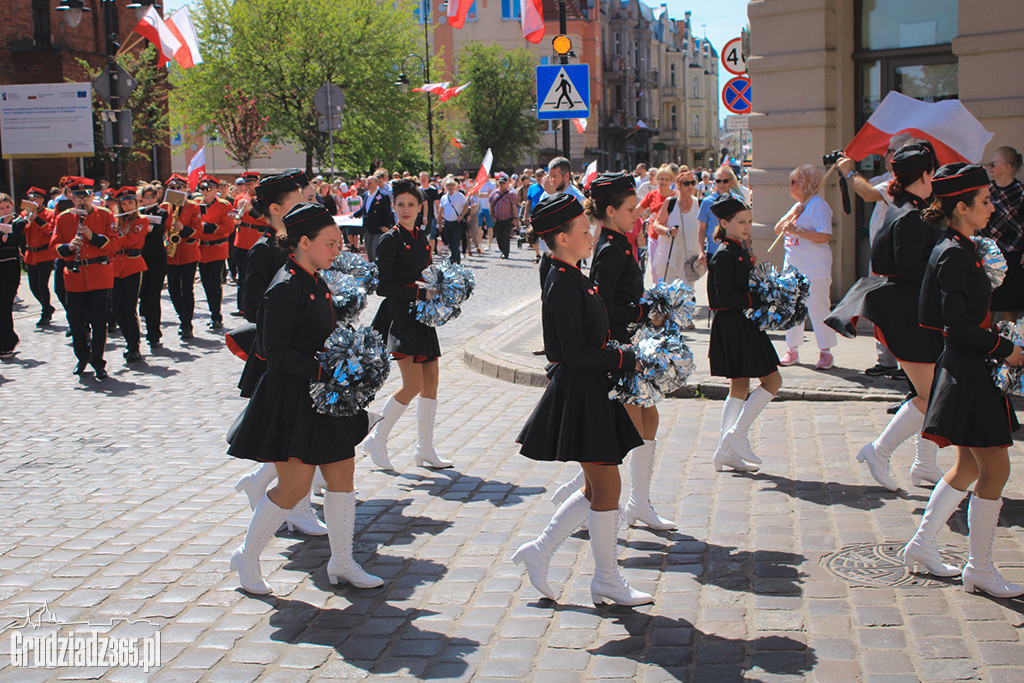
(76, 263)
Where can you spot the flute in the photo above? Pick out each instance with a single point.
(126, 213)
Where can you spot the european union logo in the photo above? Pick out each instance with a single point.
(82, 93)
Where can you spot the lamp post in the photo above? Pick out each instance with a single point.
(403, 80)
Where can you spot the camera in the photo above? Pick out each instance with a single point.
(832, 157)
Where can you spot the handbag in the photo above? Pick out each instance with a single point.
(693, 267)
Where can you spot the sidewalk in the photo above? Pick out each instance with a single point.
(506, 352)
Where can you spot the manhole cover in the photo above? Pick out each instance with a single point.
(880, 564)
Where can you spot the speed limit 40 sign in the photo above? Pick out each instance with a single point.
(732, 57)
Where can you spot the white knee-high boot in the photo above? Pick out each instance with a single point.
(921, 550)
(303, 518)
(925, 469)
(608, 585)
(639, 508)
(735, 440)
(907, 421)
(982, 520)
(340, 511)
(536, 554)
(266, 519)
(376, 444)
(567, 489)
(255, 484)
(425, 455)
(723, 457)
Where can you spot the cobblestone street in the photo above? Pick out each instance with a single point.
(121, 510)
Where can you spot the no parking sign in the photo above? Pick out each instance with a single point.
(736, 95)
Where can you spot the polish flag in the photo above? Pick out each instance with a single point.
(153, 27)
(449, 93)
(483, 174)
(457, 12)
(581, 125)
(436, 88)
(197, 168)
(532, 15)
(590, 173)
(640, 124)
(952, 130)
(457, 142)
(181, 26)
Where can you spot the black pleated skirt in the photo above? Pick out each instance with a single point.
(576, 421)
(396, 322)
(280, 423)
(893, 309)
(739, 348)
(965, 408)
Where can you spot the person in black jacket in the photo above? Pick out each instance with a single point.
(965, 408)
(12, 232)
(377, 215)
(900, 254)
(738, 349)
(275, 196)
(620, 284)
(154, 253)
(402, 254)
(280, 424)
(575, 420)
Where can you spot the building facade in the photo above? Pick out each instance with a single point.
(820, 68)
(37, 46)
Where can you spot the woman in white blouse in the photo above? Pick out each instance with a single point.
(808, 250)
(679, 233)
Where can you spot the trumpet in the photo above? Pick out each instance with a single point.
(177, 200)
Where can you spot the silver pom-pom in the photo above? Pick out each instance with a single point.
(347, 295)
(453, 284)
(665, 365)
(356, 363)
(674, 301)
(783, 297)
(1008, 379)
(992, 259)
(355, 265)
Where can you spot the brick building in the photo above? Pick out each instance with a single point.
(37, 46)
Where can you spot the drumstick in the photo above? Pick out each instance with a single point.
(816, 191)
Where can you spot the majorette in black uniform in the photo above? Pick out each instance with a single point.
(39, 256)
(296, 316)
(401, 256)
(965, 408)
(575, 419)
(10, 277)
(262, 262)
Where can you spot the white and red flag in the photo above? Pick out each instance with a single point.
(436, 88)
(590, 174)
(531, 13)
(483, 174)
(581, 125)
(153, 27)
(640, 124)
(449, 93)
(457, 142)
(197, 168)
(457, 12)
(181, 26)
(952, 130)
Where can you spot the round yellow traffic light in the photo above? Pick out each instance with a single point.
(562, 44)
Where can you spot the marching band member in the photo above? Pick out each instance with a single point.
(402, 254)
(217, 228)
(575, 420)
(900, 253)
(182, 260)
(12, 231)
(739, 349)
(280, 424)
(85, 240)
(132, 229)
(251, 226)
(965, 408)
(39, 256)
(154, 253)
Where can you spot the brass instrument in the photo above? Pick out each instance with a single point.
(177, 200)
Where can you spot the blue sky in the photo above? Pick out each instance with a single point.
(719, 20)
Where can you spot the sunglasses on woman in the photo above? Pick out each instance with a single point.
(721, 181)
(688, 183)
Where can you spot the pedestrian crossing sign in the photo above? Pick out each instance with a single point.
(563, 91)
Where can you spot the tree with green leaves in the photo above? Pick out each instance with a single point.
(242, 129)
(499, 102)
(281, 51)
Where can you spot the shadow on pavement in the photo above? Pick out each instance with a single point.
(466, 488)
(829, 492)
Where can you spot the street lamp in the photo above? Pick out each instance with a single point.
(142, 6)
(72, 10)
(403, 81)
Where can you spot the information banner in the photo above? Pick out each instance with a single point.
(46, 120)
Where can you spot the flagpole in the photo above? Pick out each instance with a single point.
(563, 59)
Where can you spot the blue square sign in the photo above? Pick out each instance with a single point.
(563, 91)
